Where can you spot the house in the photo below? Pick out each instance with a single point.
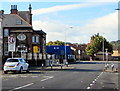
(116, 53)
(79, 51)
(20, 39)
(1, 18)
(107, 57)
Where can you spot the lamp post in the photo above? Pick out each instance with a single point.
(103, 47)
(66, 62)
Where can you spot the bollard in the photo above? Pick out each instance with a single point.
(51, 66)
(106, 67)
(112, 66)
(67, 64)
(61, 66)
(42, 66)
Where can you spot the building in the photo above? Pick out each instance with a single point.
(1, 18)
(79, 51)
(116, 53)
(59, 52)
(20, 39)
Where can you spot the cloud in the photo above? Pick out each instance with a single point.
(107, 24)
(56, 30)
(61, 8)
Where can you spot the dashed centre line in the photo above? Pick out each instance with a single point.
(21, 87)
(93, 82)
(49, 77)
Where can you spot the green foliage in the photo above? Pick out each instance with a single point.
(96, 45)
(55, 43)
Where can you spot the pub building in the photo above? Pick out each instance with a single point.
(20, 39)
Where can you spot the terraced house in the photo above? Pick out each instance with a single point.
(20, 39)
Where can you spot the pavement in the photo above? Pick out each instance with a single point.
(55, 67)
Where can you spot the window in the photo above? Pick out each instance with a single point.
(6, 33)
(5, 48)
(35, 39)
(12, 60)
(18, 22)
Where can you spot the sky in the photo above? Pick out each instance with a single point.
(71, 21)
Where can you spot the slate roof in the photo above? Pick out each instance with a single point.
(10, 21)
(25, 15)
(40, 32)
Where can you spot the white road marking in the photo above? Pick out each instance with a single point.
(43, 87)
(34, 76)
(21, 87)
(49, 77)
(23, 76)
(88, 87)
(95, 80)
(91, 84)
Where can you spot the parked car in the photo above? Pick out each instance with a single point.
(15, 65)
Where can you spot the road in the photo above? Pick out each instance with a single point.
(84, 75)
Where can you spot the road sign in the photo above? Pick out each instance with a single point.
(35, 49)
(11, 39)
(11, 43)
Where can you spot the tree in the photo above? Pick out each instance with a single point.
(55, 43)
(96, 45)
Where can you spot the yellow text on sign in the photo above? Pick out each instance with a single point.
(35, 49)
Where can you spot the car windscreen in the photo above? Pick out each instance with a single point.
(12, 60)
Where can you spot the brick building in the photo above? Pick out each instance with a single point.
(29, 43)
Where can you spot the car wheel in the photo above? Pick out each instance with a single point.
(5, 72)
(27, 70)
(21, 70)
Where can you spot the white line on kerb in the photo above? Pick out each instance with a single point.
(21, 87)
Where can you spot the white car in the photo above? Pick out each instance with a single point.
(16, 65)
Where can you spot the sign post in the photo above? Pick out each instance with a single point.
(79, 54)
(11, 44)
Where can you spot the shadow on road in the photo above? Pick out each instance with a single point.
(90, 62)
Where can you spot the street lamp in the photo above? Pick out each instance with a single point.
(66, 62)
(103, 47)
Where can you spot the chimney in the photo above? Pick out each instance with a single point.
(14, 9)
(30, 10)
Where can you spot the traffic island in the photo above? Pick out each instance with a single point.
(110, 70)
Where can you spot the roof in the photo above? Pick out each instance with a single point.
(40, 32)
(78, 47)
(116, 47)
(11, 19)
(25, 15)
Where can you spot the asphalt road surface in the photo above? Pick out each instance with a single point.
(84, 75)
